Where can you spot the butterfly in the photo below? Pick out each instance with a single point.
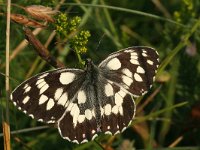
(84, 103)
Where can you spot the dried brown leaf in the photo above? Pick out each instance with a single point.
(41, 12)
(18, 18)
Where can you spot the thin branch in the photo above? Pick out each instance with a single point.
(41, 50)
(27, 130)
(149, 99)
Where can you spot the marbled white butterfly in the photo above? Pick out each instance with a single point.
(97, 99)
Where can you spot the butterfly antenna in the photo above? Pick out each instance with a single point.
(100, 41)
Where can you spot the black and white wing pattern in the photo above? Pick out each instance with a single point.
(133, 68)
(46, 96)
(85, 102)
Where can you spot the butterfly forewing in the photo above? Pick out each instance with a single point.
(46, 96)
(133, 69)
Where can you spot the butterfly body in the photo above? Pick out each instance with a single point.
(97, 99)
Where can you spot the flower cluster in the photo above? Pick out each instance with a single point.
(79, 41)
(66, 27)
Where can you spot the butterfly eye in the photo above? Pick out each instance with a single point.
(85, 102)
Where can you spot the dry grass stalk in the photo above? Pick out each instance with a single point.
(18, 18)
(41, 50)
(41, 12)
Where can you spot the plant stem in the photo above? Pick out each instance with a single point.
(6, 125)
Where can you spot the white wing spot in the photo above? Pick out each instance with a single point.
(15, 103)
(135, 57)
(66, 138)
(31, 115)
(109, 90)
(69, 107)
(26, 99)
(11, 97)
(135, 62)
(84, 141)
(108, 132)
(40, 83)
(127, 72)
(81, 97)
(150, 62)
(137, 77)
(114, 64)
(66, 77)
(115, 109)
(118, 99)
(93, 131)
(117, 132)
(75, 114)
(58, 93)
(63, 99)
(108, 127)
(75, 141)
(93, 113)
(107, 109)
(122, 93)
(41, 120)
(50, 104)
(44, 88)
(27, 89)
(94, 136)
(140, 70)
(144, 54)
(129, 51)
(88, 114)
(144, 50)
(133, 54)
(128, 81)
(81, 118)
(25, 86)
(121, 110)
(43, 99)
(124, 128)
(42, 76)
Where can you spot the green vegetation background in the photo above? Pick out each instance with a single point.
(171, 115)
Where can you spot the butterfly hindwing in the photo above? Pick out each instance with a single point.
(105, 108)
(117, 110)
(79, 122)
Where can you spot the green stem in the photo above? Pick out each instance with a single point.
(181, 44)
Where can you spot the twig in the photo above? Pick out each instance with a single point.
(27, 130)
(41, 50)
(178, 140)
(22, 45)
(149, 99)
(160, 6)
(6, 125)
(35, 63)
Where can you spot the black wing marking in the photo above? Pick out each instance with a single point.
(46, 96)
(132, 68)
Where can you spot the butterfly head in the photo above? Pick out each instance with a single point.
(89, 64)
